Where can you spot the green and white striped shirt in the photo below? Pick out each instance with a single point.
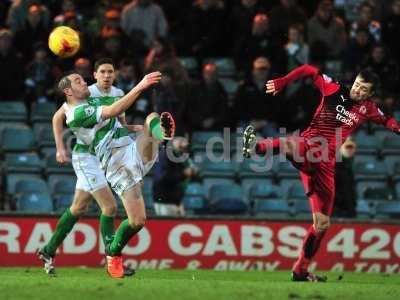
(95, 135)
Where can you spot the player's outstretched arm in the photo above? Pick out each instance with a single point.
(276, 85)
(125, 102)
(378, 117)
(58, 129)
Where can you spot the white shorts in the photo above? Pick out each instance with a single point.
(90, 175)
(126, 168)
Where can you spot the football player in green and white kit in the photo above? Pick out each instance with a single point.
(91, 181)
(125, 161)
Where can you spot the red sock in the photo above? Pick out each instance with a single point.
(263, 146)
(311, 243)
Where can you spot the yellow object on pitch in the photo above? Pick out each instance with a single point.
(64, 41)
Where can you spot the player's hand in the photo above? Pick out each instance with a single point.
(62, 157)
(150, 79)
(271, 88)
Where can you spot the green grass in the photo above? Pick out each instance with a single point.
(86, 284)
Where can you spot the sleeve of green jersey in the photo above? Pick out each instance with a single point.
(86, 116)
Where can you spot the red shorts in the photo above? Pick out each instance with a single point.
(319, 181)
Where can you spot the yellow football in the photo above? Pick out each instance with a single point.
(64, 41)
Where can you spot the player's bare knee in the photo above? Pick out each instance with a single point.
(137, 222)
(109, 209)
(321, 223)
(78, 209)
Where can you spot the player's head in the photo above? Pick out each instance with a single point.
(104, 72)
(74, 87)
(364, 85)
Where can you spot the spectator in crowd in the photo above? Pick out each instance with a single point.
(126, 77)
(345, 196)
(18, 12)
(242, 16)
(112, 46)
(207, 107)
(171, 96)
(35, 29)
(171, 178)
(11, 77)
(39, 77)
(68, 12)
(206, 28)
(287, 13)
(326, 33)
(162, 57)
(365, 21)
(389, 104)
(391, 30)
(252, 105)
(82, 67)
(357, 52)
(297, 49)
(259, 43)
(385, 67)
(143, 21)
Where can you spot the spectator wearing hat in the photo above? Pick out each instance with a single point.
(252, 105)
(11, 77)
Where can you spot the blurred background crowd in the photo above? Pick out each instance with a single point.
(215, 55)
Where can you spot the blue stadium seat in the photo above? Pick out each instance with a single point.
(219, 169)
(367, 144)
(18, 139)
(227, 199)
(13, 178)
(248, 183)
(286, 184)
(56, 179)
(287, 171)
(263, 192)
(13, 111)
(296, 192)
(34, 202)
(390, 209)
(209, 182)
(42, 112)
(251, 168)
(301, 208)
(44, 135)
(194, 204)
(271, 208)
(62, 202)
(391, 145)
(200, 139)
(53, 167)
(393, 164)
(371, 170)
(32, 185)
(195, 189)
(23, 163)
(363, 209)
(374, 190)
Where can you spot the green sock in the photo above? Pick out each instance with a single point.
(155, 129)
(64, 226)
(107, 229)
(122, 236)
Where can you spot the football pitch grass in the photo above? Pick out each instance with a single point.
(88, 283)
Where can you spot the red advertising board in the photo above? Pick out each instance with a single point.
(211, 244)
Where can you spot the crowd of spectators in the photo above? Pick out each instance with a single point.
(263, 38)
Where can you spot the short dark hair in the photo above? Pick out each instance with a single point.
(102, 61)
(368, 76)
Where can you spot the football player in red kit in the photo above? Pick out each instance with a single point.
(340, 112)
